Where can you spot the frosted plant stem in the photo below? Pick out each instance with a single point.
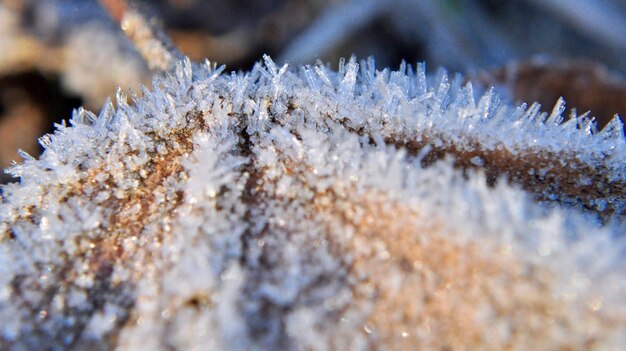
(149, 39)
(313, 209)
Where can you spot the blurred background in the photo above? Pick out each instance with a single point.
(57, 55)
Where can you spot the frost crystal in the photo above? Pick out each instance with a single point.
(301, 208)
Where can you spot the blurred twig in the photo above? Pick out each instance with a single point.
(116, 8)
(149, 38)
(333, 27)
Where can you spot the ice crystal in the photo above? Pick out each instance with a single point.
(303, 208)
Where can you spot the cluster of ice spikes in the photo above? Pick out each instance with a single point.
(303, 208)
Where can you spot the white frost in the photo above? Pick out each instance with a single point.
(278, 208)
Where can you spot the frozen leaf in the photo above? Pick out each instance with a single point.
(288, 208)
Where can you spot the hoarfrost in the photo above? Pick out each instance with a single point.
(305, 208)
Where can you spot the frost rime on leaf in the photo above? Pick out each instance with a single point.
(287, 208)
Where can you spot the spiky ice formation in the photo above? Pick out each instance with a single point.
(312, 209)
